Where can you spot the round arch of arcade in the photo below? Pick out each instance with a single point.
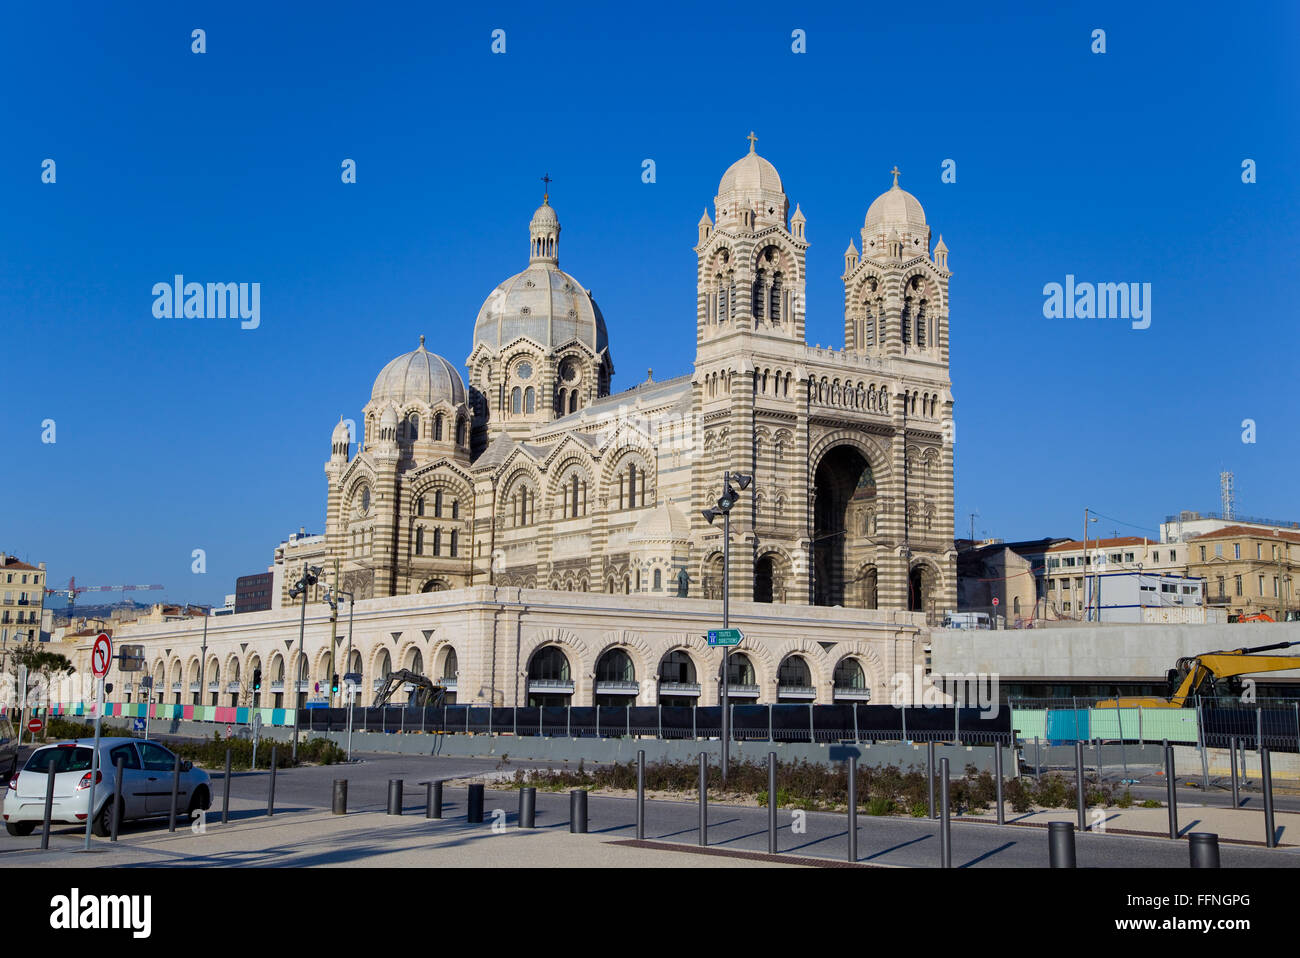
(818, 666)
(576, 653)
(639, 657)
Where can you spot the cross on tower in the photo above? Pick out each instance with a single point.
(752, 138)
(546, 194)
(895, 171)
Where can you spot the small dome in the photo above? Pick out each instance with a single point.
(750, 172)
(341, 434)
(544, 217)
(664, 523)
(388, 419)
(419, 376)
(895, 208)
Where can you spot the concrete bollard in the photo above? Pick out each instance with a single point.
(1204, 849)
(527, 807)
(339, 805)
(474, 804)
(704, 799)
(176, 788)
(578, 811)
(225, 791)
(117, 800)
(49, 808)
(394, 796)
(433, 800)
(1171, 789)
(771, 803)
(945, 820)
(640, 794)
(270, 789)
(1060, 844)
(1266, 782)
(853, 808)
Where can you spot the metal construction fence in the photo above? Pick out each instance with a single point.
(1210, 722)
(773, 723)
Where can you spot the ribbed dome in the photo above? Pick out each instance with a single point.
(544, 217)
(895, 208)
(419, 376)
(545, 304)
(664, 523)
(750, 172)
(341, 434)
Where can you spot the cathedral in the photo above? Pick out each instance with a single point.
(534, 475)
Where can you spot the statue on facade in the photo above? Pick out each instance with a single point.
(683, 583)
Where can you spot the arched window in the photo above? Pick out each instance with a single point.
(615, 666)
(419, 541)
(437, 504)
(529, 400)
(413, 427)
(561, 407)
(775, 309)
(460, 432)
(793, 674)
(549, 664)
(516, 400)
(677, 667)
(455, 508)
(741, 670)
(437, 427)
(573, 401)
(452, 543)
(450, 665)
(849, 675)
(437, 541)
(419, 506)
(659, 580)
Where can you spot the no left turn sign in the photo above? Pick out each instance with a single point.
(101, 655)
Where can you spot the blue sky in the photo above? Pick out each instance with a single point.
(174, 434)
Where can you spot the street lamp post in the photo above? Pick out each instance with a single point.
(723, 508)
(310, 576)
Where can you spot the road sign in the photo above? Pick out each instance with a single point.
(131, 658)
(725, 636)
(138, 724)
(35, 725)
(995, 600)
(101, 655)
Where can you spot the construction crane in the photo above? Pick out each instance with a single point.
(1210, 674)
(73, 590)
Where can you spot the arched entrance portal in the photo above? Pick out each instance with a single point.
(917, 594)
(763, 579)
(845, 487)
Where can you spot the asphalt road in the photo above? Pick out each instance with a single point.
(884, 841)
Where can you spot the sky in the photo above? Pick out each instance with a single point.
(172, 435)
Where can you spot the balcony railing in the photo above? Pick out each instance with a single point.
(448, 682)
(852, 692)
(734, 688)
(616, 686)
(550, 685)
(796, 691)
(679, 688)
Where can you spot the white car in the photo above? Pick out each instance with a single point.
(146, 785)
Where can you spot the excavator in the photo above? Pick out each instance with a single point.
(1211, 674)
(426, 692)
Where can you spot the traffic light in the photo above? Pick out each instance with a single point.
(334, 684)
(257, 680)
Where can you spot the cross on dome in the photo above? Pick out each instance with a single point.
(546, 191)
(752, 140)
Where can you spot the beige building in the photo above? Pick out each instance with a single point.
(1248, 569)
(1068, 566)
(536, 476)
(22, 601)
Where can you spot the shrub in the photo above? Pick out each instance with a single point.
(880, 806)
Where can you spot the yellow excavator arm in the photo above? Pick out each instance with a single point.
(1212, 667)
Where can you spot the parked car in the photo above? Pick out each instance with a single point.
(8, 750)
(146, 785)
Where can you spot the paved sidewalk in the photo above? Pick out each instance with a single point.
(359, 839)
(1236, 825)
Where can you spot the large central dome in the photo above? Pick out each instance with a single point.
(543, 303)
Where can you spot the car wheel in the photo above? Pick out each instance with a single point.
(102, 826)
(199, 800)
(20, 828)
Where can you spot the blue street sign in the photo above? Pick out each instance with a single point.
(725, 636)
(138, 725)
